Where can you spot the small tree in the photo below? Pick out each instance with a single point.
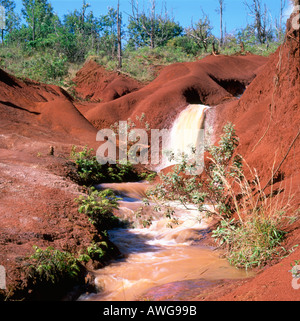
(10, 19)
(39, 16)
(192, 189)
(151, 29)
(261, 23)
(201, 32)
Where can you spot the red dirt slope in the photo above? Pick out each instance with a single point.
(95, 83)
(208, 81)
(267, 121)
(36, 196)
(50, 105)
(267, 116)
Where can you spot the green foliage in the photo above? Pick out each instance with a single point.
(252, 242)
(46, 67)
(153, 31)
(140, 63)
(99, 206)
(201, 33)
(52, 265)
(12, 20)
(40, 18)
(45, 47)
(185, 44)
(148, 176)
(96, 252)
(190, 189)
(255, 235)
(223, 166)
(88, 168)
(90, 171)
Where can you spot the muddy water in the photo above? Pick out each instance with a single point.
(158, 254)
(185, 131)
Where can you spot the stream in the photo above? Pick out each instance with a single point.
(158, 254)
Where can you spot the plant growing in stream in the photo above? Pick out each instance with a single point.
(90, 171)
(99, 206)
(251, 223)
(176, 185)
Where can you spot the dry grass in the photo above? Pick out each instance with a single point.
(254, 237)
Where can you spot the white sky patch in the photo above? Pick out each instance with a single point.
(288, 10)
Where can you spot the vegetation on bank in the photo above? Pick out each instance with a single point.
(39, 45)
(251, 224)
(44, 48)
(99, 207)
(52, 273)
(90, 172)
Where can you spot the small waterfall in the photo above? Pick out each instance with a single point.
(163, 251)
(186, 131)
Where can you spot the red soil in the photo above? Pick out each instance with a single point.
(208, 81)
(37, 199)
(267, 121)
(95, 83)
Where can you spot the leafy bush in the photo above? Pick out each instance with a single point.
(191, 189)
(52, 266)
(96, 252)
(254, 236)
(91, 172)
(251, 224)
(99, 206)
(88, 169)
(251, 242)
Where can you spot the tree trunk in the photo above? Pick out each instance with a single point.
(119, 38)
(33, 25)
(152, 32)
(221, 23)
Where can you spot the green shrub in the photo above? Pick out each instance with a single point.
(53, 266)
(251, 242)
(189, 189)
(44, 66)
(99, 206)
(251, 238)
(97, 250)
(254, 236)
(88, 168)
(91, 172)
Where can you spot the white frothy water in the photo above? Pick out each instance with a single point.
(186, 130)
(158, 255)
(186, 133)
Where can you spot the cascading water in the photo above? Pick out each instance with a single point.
(158, 254)
(186, 131)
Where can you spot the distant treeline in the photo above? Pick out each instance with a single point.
(80, 34)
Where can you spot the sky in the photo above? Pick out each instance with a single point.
(235, 15)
